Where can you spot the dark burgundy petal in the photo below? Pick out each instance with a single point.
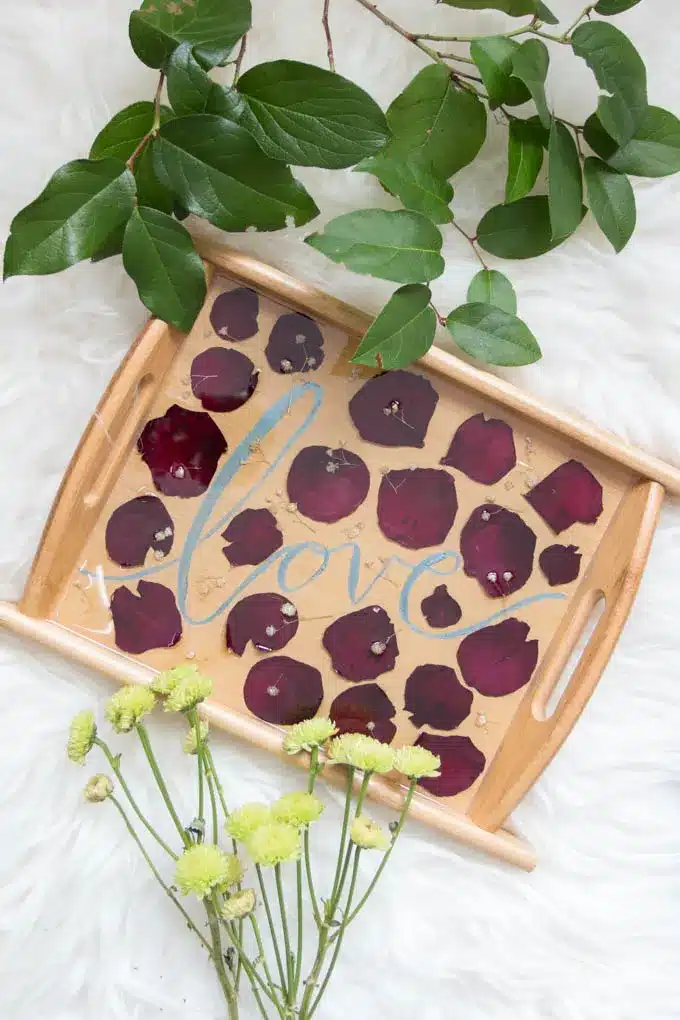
(234, 314)
(141, 524)
(181, 450)
(435, 697)
(223, 379)
(295, 344)
(254, 535)
(461, 764)
(440, 609)
(482, 449)
(560, 564)
(417, 507)
(498, 660)
(362, 645)
(267, 619)
(282, 690)
(147, 620)
(570, 495)
(326, 484)
(365, 709)
(498, 549)
(394, 409)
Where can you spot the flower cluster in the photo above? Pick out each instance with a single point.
(98, 789)
(362, 752)
(274, 843)
(308, 734)
(243, 822)
(299, 809)
(128, 706)
(81, 737)
(190, 743)
(368, 835)
(205, 868)
(417, 763)
(239, 905)
(189, 691)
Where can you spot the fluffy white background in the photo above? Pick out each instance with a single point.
(593, 933)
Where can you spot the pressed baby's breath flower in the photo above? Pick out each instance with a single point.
(308, 734)
(128, 706)
(204, 868)
(190, 738)
(368, 835)
(417, 763)
(81, 736)
(239, 905)
(188, 692)
(98, 788)
(243, 822)
(274, 843)
(362, 752)
(164, 683)
(299, 808)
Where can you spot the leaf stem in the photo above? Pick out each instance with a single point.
(473, 38)
(585, 13)
(154, 127)
(160, 782)
(327, 30)
(472, 241)
(409, 36)
(239, 59)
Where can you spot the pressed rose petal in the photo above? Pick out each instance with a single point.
(362, 645)
(417, 507)
(365, 709)
(254, 535)
(234, 314)
(267, 619)
(137, 526)
(394, 409)
(435, 697)
(295, 345)
(327, 485)
(440, 609)
(461, 764)
(181, 450)
(223, 379)
(482, 449)
(570, 495)
(498, 549)
(560, 564)
(498, 660)
(147, 620)
(282, 690)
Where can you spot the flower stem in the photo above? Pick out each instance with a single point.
(272, 929)
(327, 30)
(218, 959)
(340, 935)
(193, 719)
(290, 965)
(313, 764)
(250, 970)
(160, 782)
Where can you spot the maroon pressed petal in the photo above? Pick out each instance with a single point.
(560, 564)
(254, 535)
(267, 619)
(462, 763)
(417, 507)
(282, 690)
(435, 697)
(147, 620)
(394, 409)
(137, 526)
(234, 314)
(498, 660)
(365, 709)
(483, 449)
(570, 494)
(362, 645)
(440, 609)
(181, 450)
(295, 345)
(223, 379)
(327, 485)
(498, 549)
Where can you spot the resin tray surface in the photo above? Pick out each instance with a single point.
(414, 553)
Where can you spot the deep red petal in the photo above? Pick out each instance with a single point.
(365, 709)
(136, 527)
(362, 645)
(440, 609)
(223, 379)
(498, 549)
(462, 763)
(234, 314)
(181, 450)
(254, 535)
(435, 697)
(262, 619)
(282, 690)
(571, 494)
(295, 345)
(498, 660)
(327, 485)
(483, 449)
(417, 507)
(394, 409)
(147, 620)
(560, 564)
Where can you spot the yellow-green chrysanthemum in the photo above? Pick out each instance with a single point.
(128, 706)
(205, 868)
(239, 905)
(362, 752)
(417, 763)
(98, 788)
(368, 835)
(299, 808)
(81, 736)
(190, 739)
(242, 823)
(188, 692)
(274, 843)
(308, 734)
(164, 683)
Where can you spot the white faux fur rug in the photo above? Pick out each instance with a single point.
(593, 934)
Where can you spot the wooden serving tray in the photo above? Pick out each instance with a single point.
(82, 596)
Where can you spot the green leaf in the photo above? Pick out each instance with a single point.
(653, 151)
(211, 27)
(492, 335)
(189, 87)
(489, 287)
(530, 64)
(619, 71)
(81, 207)
(112, 246)
(612, 202)
(403, 331)
(216, 170)
(308, 116)
(516, 8)
(520, 230)
(545, 15)
(120, 138)
(159, 255)
(610, 7)
(565, 184)
(526, 141)
(432, 120)
(401, 246)
(416, 186)
(493, 57)
(226, 102)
